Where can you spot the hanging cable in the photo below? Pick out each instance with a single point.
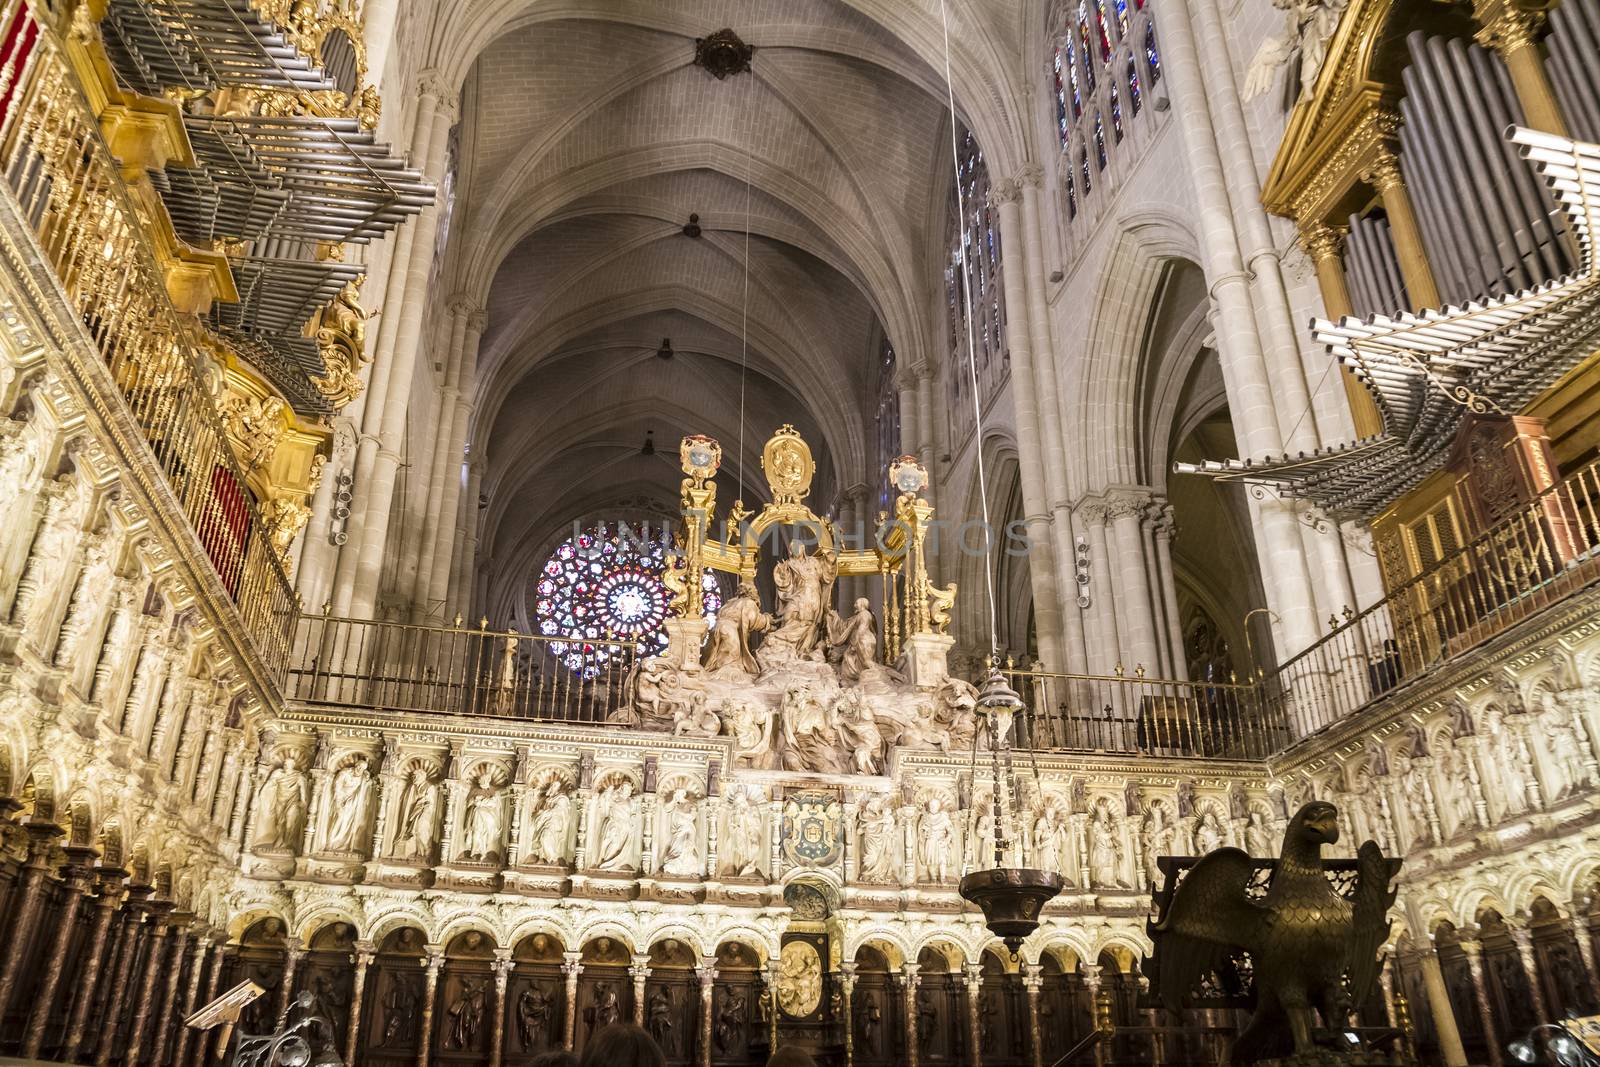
(972, 343)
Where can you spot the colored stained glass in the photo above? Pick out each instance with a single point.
(1099, 143)
(1135, 97)
(1103, 29)
(1122, 17)
(1072, 196)
(1152, 56)
(605, 582)
(1116, 113)
(1083, 165)
(1083, 41)
(1061, 100)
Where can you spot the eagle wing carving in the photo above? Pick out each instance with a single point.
(1209, 918)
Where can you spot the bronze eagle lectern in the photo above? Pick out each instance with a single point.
(1310, 946)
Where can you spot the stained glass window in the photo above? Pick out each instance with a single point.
(1072, 195)
(1083, 40)
(1083, 164)
(888, 425)
(1122, 17)
(603, 582)
(1116, 113)
(1104, 31)
(1152, 56)
(975, 247)
(1061, 99)
(1135, 97)
(1099, 143)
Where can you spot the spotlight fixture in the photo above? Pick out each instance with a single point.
(692, 227)
(665, 351)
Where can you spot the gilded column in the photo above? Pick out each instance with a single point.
(1033, 984)
(1510, 29)
(191, 995)
(503, 963)
(293, 951)
(75, 879)
(156, 941)
(35, 876)
(430, 991)
(571, 967)
(639, 971)
(974, 983)
(169, 996)
(1480, 993)
(1530, 964)
(133, 913)
(1384, 175)
(109, 888)
(706, 972)
(908, 983)
(363, 956)
(1325, 247)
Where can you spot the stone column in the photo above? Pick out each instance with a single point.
(1033, 983)
(363, 956)
(1043, 565)
(503, 963)
(109, 888)
(356, 583)
(1104, 645)
(169, 995)
(571, 967)
(1530, 964)
(191, 995)
(433, 470)
(1046, 383)
(446, 547)
(1510, 29)
(293, 951)
(706, 972)
(430, 992)
(219, 959)
(639, 971)
(1251, 399)
(847, 990)
(30, 898)
(147, 983)
(1480, 992)
(771, 976)
(1384, 176)
(1585, 939)
(1139, 628)
(974, 984)
(133, 914)
(1091, 981)
(75, 879)
(1162, 528)
(908, 983)
(466, 567)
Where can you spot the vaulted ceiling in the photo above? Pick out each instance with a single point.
(588, 137)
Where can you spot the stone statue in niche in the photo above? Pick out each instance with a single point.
(485, 819)
(17, 454)
(1257, 838)
(351, 797)
(1566, 754)
(731, 1019)
(805, 586)
(1049, 840)
(854, 641)
(936, 843)
(1105, 850)
(418, 817)
(658, 1019)
(282, 813)
(607, 1008)
(681, 857)
(52, 547)
(983, 828)
(1160, 839)
(741, 854)
(535, 1014)
(1455, 785)
(615, 824)
(728, 645)
(1207, 834)
(552, 817)
(877, 834)
(96, 586)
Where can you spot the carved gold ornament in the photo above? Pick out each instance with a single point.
(786, 461)
(341, 341)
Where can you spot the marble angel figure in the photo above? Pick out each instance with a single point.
(681, 857)
(615, 826)
(547, 835)
(878, 829)
(351, 796)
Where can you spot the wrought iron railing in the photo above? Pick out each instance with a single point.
(1136, 715)
(456, 670)
(93, 235)
(1542, 553)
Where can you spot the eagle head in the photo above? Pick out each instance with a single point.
(1316, 823)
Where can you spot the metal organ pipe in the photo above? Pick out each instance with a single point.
(1357, 269)
(1574, 65)
(1486, 223)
